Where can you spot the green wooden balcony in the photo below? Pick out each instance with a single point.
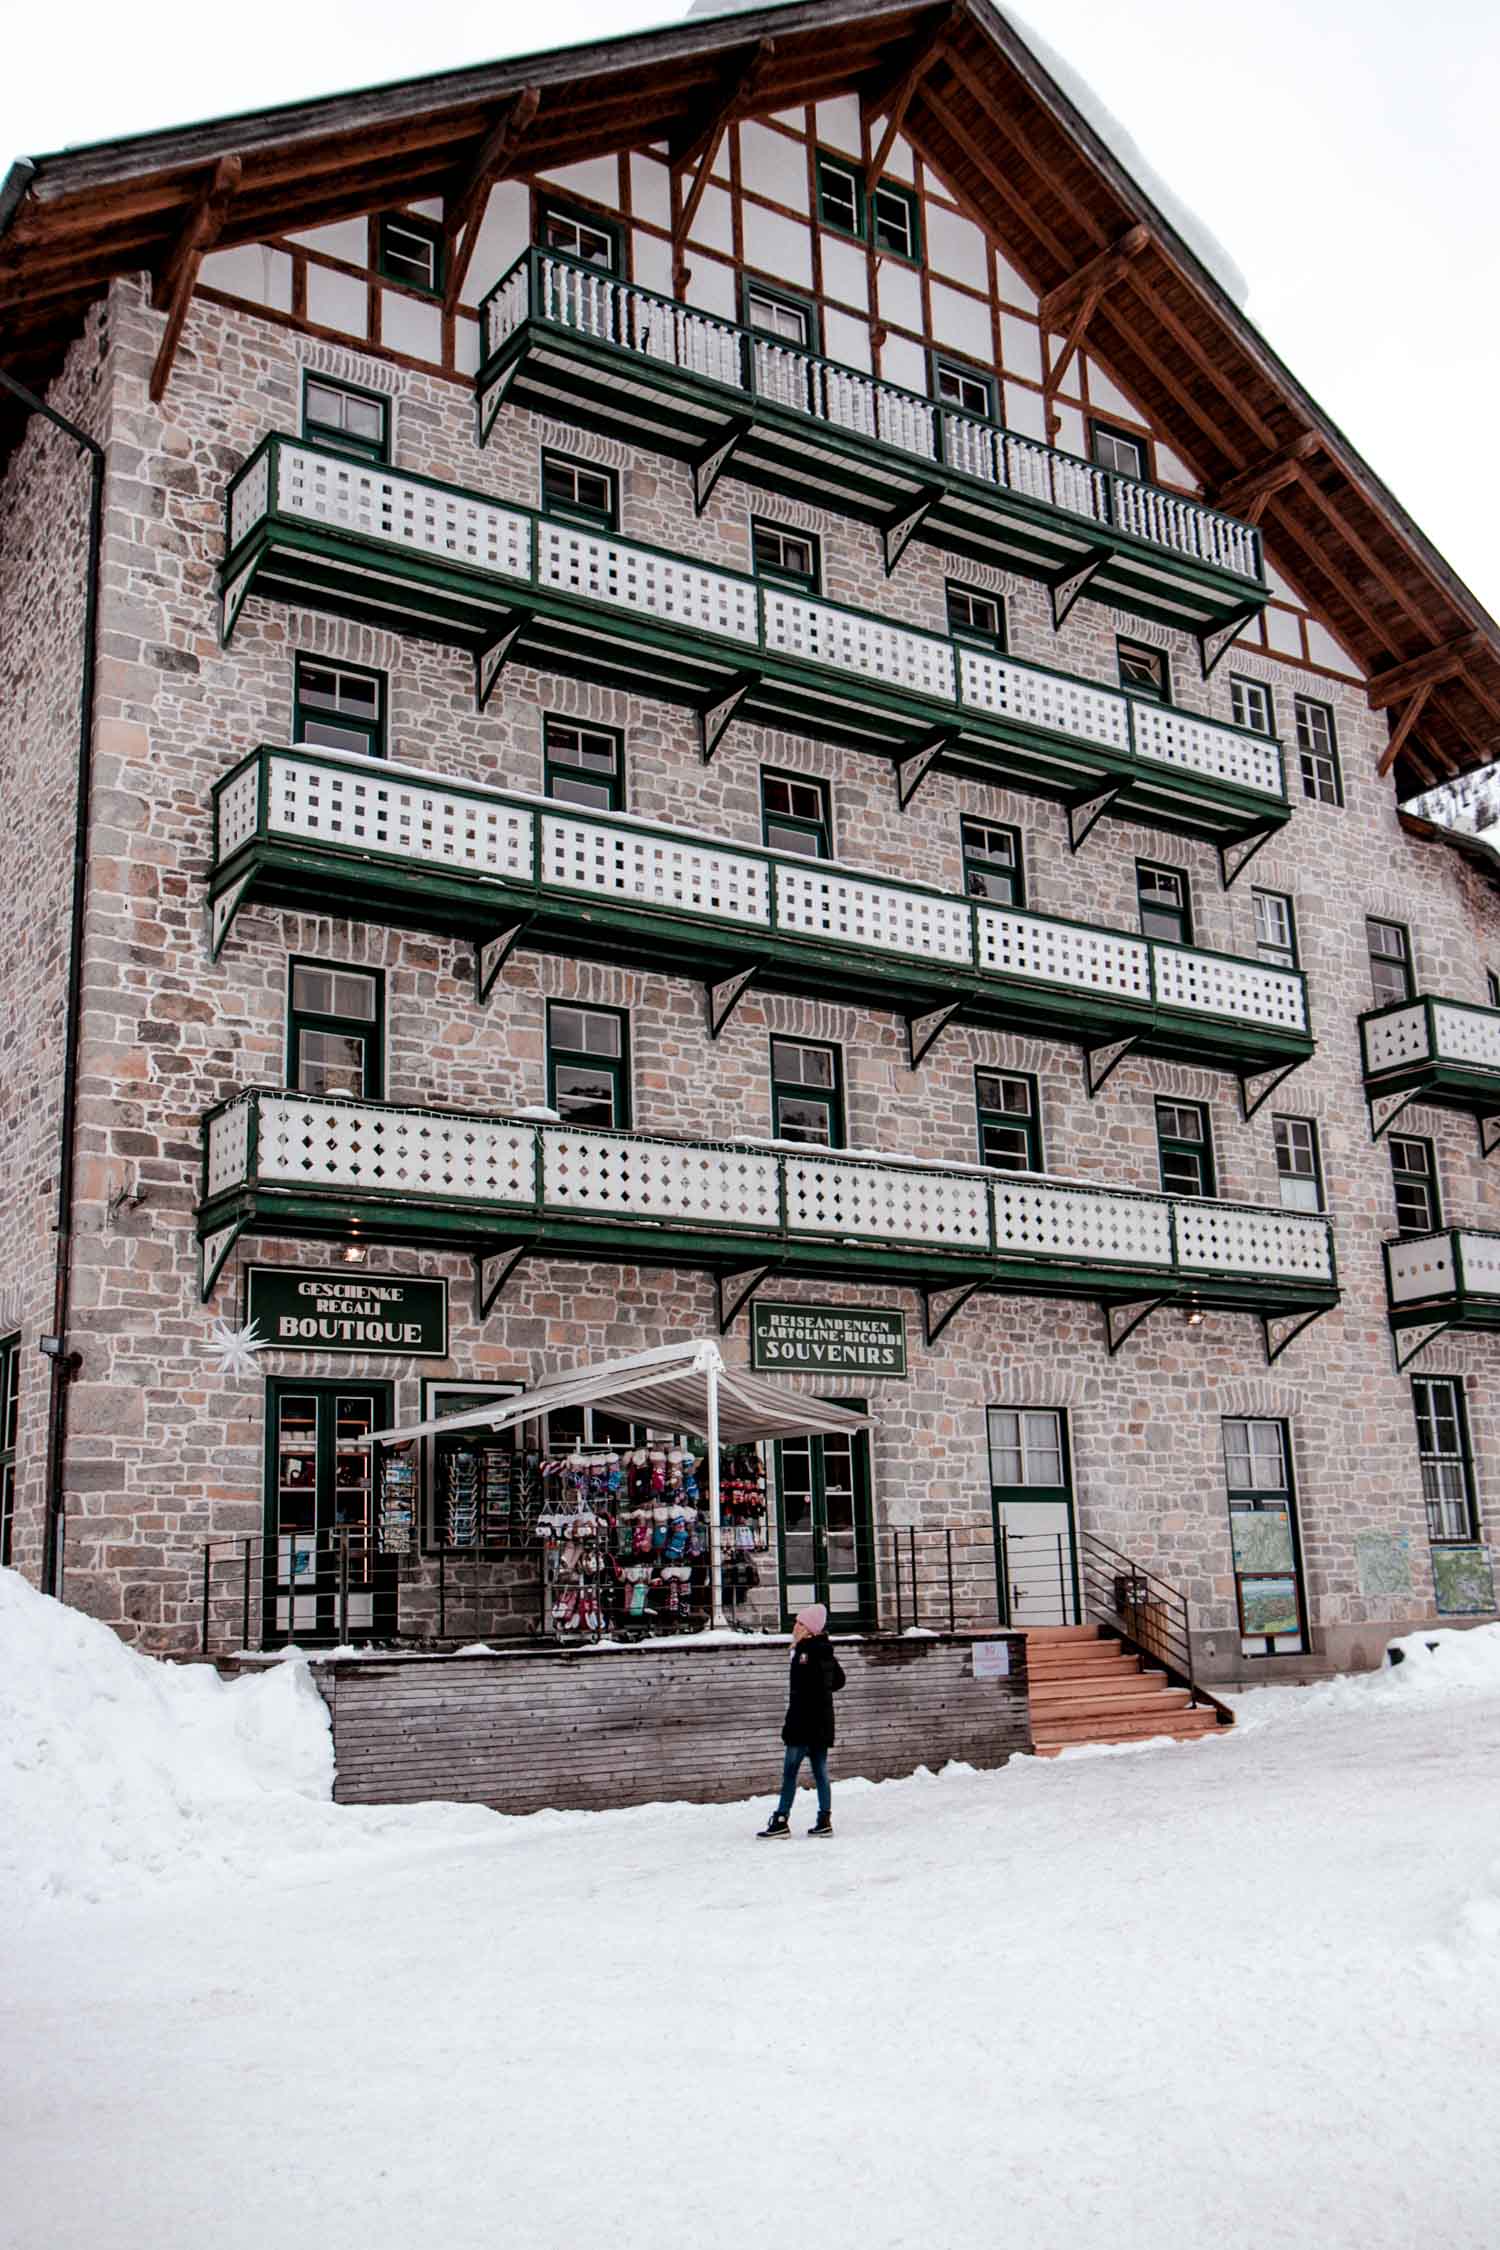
(568, 340)
(1446, 1280)
(392, 843)
(1445, 1053)
(502, 1189)
(309, 526)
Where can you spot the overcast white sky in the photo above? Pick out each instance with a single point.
(1345, 151)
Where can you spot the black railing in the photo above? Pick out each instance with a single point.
(941, 1578)
(1145, 1611)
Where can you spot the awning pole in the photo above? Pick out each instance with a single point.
(715, 1531)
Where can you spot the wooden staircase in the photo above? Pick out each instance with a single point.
(1086, 1687)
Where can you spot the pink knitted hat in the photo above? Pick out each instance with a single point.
(814, 1618)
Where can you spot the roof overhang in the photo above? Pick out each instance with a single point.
(1010, 142)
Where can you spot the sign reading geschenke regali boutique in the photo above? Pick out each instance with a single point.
(294, 1310)
(818, 1339)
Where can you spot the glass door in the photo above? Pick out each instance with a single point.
(1031, 1493)
(323, 1568)
(1263, 1538)
(826, 1525)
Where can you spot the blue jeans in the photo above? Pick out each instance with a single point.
(791, 1766)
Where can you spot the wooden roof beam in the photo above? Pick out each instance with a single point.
(174, 284)
(1247, 491)
(1092, 278)
(1421, 673)
(463, 207)
(736, 96)
(889, 92)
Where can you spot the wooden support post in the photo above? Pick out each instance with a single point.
(463, 204)
(889, 95)
(175, 283)
(697, 150)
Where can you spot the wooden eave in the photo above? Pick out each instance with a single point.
(996, 125)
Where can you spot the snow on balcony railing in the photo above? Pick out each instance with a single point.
(603, 309)
(306, 795)
(417, 1156)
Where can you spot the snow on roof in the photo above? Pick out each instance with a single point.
(1122, 145)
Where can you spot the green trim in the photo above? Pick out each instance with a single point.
(1028, 1122)
(1184, 913)
(603, 516)
(376, 1582)
(828, 1099)
(544, 202)
(373, 733)
(1282, 1496)
(1284, 1118)
(616, 1068)
(1200, 1151)
(376, 450)
(369, 1031)
(865, 1574)
(558, 775)
(429, 232)
(816, 827)
(1022, 1495)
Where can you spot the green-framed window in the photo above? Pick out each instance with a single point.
(346, 418)
(1492, 982)
(772, 312)
(1184, 1148)
(588, 1064)
(1010, 1124)
(583, 765)
(577, 233)
(410, 250)
(1299, 1163)
(10, 1422)
(968, 390)
(895, 221)
(1264, 1544)
(1119, 450)
(889, 216)
(795, 814)
(1275, 929)
(807, 1092)
(1414, 1179)
(841, 196)
(335, 1030)
(1317, 751)
(338, 706)
(1250, 704)
(993, 866)
(580, 491)
(976, 618)
(1447, 1462)
(1389, 947)
(1164, 903)
(781, 557)
(1144, 670)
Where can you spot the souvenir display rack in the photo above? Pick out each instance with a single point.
(625, 1539)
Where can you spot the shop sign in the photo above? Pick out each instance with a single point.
(826, 1339)
(295, 1311)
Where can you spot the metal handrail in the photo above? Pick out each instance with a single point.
(1145, 1611)
(933, 417)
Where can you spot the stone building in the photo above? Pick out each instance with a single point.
(721, 691)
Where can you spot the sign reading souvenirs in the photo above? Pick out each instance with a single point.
(347, 1312)
(823, 1339)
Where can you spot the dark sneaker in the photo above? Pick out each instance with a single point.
(822, 1826)
(777, 1825)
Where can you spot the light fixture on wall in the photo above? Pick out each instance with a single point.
(1193, 1314)
(355, 1253)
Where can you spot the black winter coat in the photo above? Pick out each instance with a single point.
(816, 1677)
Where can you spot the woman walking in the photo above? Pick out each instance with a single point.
(816, 1677)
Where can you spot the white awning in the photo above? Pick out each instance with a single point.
(667, 1389)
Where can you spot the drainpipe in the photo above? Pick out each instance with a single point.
(64, 1361)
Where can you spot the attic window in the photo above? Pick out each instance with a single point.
(1117, 450)
(411, 250)
(841, 201)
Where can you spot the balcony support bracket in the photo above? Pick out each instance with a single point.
(1074, 583)
(725, 996)
(1123, 1319)
(1489, 1135)
(1281, 1329)
(900, 529)
(1235, 856)
(1386, 1108)
(914, 765)
(940, 1306)
(222, 911)
(1099, 1063)
(1087, 809)
(714, 718)
(1410, 1343)
(716, 458)
(1257, 1086)
(922, 1031)
(492, 953)
(1215, 641)
(232, 600)
(494, 395)
(213, 1255)
(492, 1270)
(491, 660)
(733, 1291)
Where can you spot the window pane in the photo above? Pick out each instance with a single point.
(769, 316)
(331, 1062)
(586, 1097)
(1250, 705)
(1143, 669)
(1114, 450)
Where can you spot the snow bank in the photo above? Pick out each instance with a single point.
(1437, 1665)
(119, 1773)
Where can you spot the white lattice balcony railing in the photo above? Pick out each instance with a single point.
(549, 1180)
(1427, 1033)
(528, 851)
(603, 311)
(1445, 1271)
(466, 549)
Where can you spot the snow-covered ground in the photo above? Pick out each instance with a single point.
(1223, 1994)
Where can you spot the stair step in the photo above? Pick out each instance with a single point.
(1054, 1733)
(1041, 1634)
(1105, 1666)
(1142, 1695)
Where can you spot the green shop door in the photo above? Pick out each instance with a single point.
(826, 1528)
(1031, 1493)
(322, 1570)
